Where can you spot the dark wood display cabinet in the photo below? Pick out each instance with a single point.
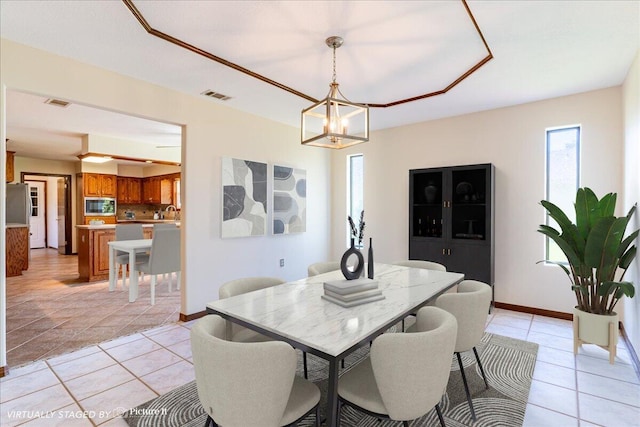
(451, 218)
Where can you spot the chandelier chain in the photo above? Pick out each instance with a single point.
(334, 63)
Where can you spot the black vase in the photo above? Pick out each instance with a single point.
(370, 260)
(430, 192)
(359, 267)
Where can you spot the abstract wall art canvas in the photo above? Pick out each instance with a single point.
(289, 200)
(244, 205)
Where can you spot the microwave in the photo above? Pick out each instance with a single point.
(99, 206)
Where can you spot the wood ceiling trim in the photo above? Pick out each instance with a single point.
(149, 29)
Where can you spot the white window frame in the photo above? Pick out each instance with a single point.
(547, 133)
(356, 219)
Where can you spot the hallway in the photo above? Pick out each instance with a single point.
(51, 312)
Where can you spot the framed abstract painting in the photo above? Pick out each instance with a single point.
(244, 193)
(289, 200)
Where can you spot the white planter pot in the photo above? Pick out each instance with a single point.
(599, 329)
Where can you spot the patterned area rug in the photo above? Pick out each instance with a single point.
(507, 362)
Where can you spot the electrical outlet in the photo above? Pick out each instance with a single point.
(281, 262)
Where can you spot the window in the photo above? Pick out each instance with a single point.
(563, 178)
(355, 189)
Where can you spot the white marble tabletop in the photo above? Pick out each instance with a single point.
(294, 310)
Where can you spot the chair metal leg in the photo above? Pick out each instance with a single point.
(342, 363)
(402, 325)
(466, 387)
(480, 366)
(405, 423)
(210, 422)
(304, 363)
(439, 412)
(318, 415)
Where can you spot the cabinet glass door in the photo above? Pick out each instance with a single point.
(427, 204)
(468, 204)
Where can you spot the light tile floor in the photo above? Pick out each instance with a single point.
(93, 385)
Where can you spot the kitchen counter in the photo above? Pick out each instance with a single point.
(145, 224)
(148, 221)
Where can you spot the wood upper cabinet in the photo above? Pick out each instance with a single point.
(151, 190)
(129, 189)
(159, 189)
(99, 185)
(10, 167)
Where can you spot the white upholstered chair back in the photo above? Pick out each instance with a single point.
(247, 284)
(242, 286)
(427, 265)
(412, 370)
(165, 251)
(470, 306)
(127, 232)
(322, 267)
(241, 384)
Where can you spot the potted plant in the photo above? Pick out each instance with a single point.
(598, 255)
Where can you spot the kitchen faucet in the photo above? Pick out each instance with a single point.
(175, 210)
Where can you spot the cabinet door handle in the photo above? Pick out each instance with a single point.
(448, 251)
(444, 251)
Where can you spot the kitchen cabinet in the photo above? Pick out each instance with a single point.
(17, 254)
(10, 169)
(151, 190)
(158, 189)
(451, 218)
(129, 190)
(99, 185)
(93, 251)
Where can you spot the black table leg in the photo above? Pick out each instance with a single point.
(332, 394)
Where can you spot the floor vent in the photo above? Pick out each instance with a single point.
(57, 102)
(215, 95)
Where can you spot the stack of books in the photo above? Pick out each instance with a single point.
(349, 293)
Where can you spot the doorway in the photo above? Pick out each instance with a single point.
(51, 210)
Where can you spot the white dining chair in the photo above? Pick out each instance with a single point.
(406, 374)
(164, 257)
(418, 263)
(242, 286)
(128, 232)
(470, 305)
(322, 267)
(248, 384)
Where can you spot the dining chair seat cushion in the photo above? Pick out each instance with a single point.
(124, 258)
(304, 395)
(359, 387)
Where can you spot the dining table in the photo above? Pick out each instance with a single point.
(132, 247)
(296, 313)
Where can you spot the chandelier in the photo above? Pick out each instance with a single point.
(335, 122)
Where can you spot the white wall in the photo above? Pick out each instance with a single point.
(631, 99)
(210, 132)
(513, 139)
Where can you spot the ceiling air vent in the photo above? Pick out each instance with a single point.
(215, 95)
(57, 102)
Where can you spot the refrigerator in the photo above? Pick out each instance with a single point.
(18, 204)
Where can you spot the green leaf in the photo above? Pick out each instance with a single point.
(556, 213)
(602, 246)
(583, 289)
(626, 242)
(627, 258)
(566, 248)
(607, 205)
(607, 288)
(584, 206)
